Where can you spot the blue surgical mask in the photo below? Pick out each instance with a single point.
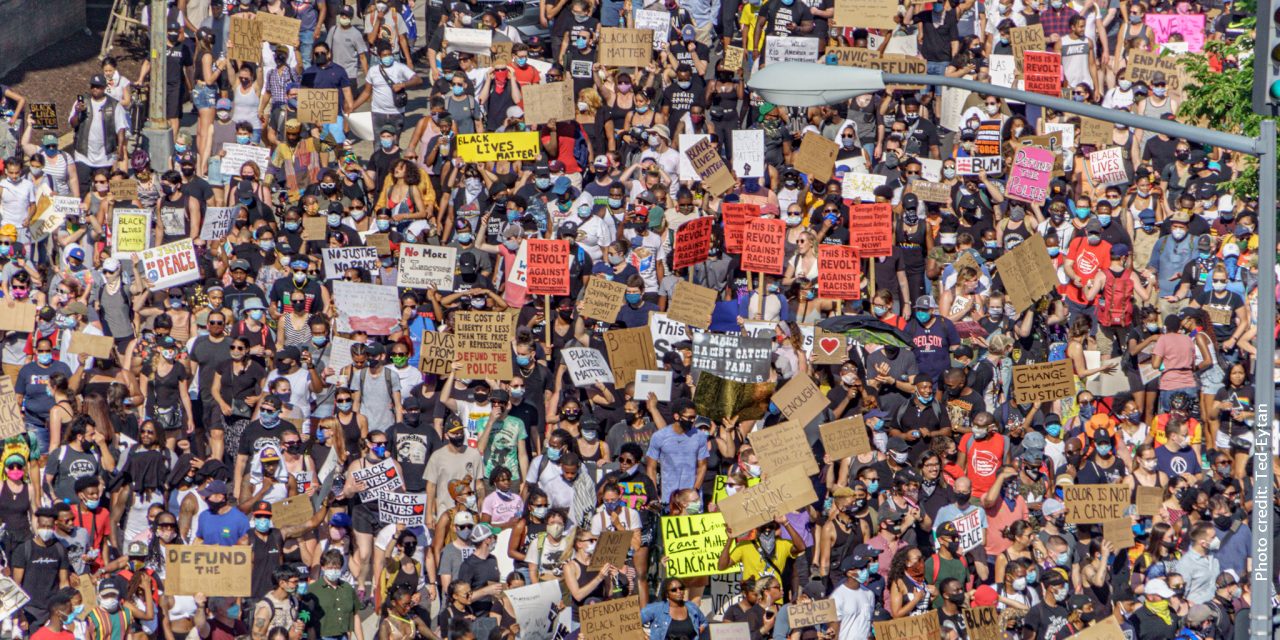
(873, 486)
(243, 139)
(386, 143)
(924, 316)
(383, 224)
(1054, 251)
(92, 504)
(292, 226)
(553, 454)
(633, 298)
(1054, 429)
(542, 183)
(615, 203)
(44, 358)
(256, 314)
(233, 611)
(267, 245)
(387, 60)
(344, 406)
(1104, 219)
(319, 341)
(523, 360)
(457, 90)
(465, 238)
(1104, 449)
(262, 525)
(180, 148)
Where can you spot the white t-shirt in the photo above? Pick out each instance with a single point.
(15, 198)
(383, 98)
(409, 378)
(97, 152)
(854, 608)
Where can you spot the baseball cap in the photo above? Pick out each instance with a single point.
(98, 81)
(49, 140)
(1033, 448)
(75, 308)
(601, 161)
(925, 302)
(76, 253)
(223, 104)
(897, 444)
(1159, 588)
(464, 519)
(214, 488)
(269, 454)
(1120, 250)
(239, 264)
(1052, 506)
(111, 265)
(1199, 614)
(985, 596)
(262, 508)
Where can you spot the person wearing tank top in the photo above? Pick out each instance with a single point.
(246, 98)
(178, 212)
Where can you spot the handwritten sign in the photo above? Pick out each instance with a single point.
(923, 627)
(483, 344)
(294, 511)
(1028, 273)
(860, 187)
(764, 246)
(778, 494)
(692, 304)
(828, 348)
(839, 272)
(12, 422)
(1144, 65)
(801, 400)
(659, 22)
(710, 167)
(1106, 166)
(733, 58)
(17, 316)
(318, 106)
(845, 438)
(611, 620)
(436, 354)
(983, 623)
(1095, 503)
(790, 49)
(1029, 176)
(817, 157)
(732, 356)
(44, 116)
(520, 146)
(693, 242)
(338, 259)
(548, 267)
(88, 344)
(238, 154)
(371, 308)
(244, 41)
(278, 29)
(736, 215)
(887, 63)
(748, 153)
(546, 102)
(170, 265)
(1042, 382)
(408, 509)
(1148, 500)
(586, 366)
(424, 266)
(209, 569)
(875, 14)
(1190, 26)
(1024, 39)
(611, 548)
(812, 613)
(783, 447)
(602, 299)
(625, 47)
(629, 350)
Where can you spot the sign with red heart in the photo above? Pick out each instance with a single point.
(829, 348)
(403, 508)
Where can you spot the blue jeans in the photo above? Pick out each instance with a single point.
(611, 13)
(306, 39)
(936, 69)
(41, 437)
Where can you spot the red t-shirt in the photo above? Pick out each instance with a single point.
(1088, 261)
(983, 459)
(567, 133)
(45, 633)
(98, 525)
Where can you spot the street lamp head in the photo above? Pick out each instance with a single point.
(808, 84)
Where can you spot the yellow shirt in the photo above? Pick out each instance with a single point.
(747, 19)
(754, 565)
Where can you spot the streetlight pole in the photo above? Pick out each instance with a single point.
(156, 130)
(813, 84)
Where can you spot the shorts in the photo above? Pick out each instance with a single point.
(204, 97)
(216, 177)
(173, 99)
(1212, 380)
(364, 519)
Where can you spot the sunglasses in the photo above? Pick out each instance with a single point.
(218, 323)
(44, 350)
(675, 588)
(913, 173)
(234, 348)
(346, 399)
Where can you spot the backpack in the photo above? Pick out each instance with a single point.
(1115, 305)
(902, 411)
(581, 151)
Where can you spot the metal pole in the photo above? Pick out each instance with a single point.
(156, 131)
(1263, 472)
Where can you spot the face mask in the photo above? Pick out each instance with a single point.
(262, 525)
(15, 474)
(458, 440)
(980, 433)
(924, 317)
(1019, 584)
(1178, 234)
(1159, 92)
(45, 534)
(683, 84)
(555, 529)
(387, 60)
(862, 575)
(44, 358)
(911, 218)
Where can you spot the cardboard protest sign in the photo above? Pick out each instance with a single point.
(409, 509)
(719, 398)
(548, 267)
(1165, 25)
(887, 63)
(338, 259)
(378, 479)
(293, 511)
(790, 49)
(934, 192)
(764, 246)
(1148, 500)
(1105, 629)
(748, 153)
(1029, 176)
(86, 344)
(12, 422)
(629, 350)
(586, 366)
(733, 58)
(845, 438)
(684, 143)
(692, 304)
(1095, 132)
(611, 548)
(244, 39)
(801, 400)
(426, 266)
(731, 631)
(601, 299)
(314, 228)
(1042, 382)
(875, 14)
(170, 265)
(372, 308)
(484, 343)
(812, 613)
(624, 47)
(1106, 167)
(44, 116)
(130, 231)
(693, 242)
(17, 316)
(656, 382)
(953, 107)
(779, 493)
(436, 353)
(784, 446)
(736, 215)
(732, 356)
(817, 157)
(318, 106)
(278, 29)
(546, 102)
(1119, 533)
(710, 167)
(1028, 273)
(209, 569)
(478, 42)
(871, 229)
(983, 623)
(496, 147)
(839, 272)
(1095, 503)
(829, 348)
(611, 620)
(124, 190)
(923, 627)
(1024, 39)
(1143, 65)
(1042, 73)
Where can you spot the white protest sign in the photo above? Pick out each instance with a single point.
(686, 168)
(371, 308)
(13, 598)
(790, 49)
(339, 357)
(969, 528)
(665, 332)
(970, 165)
(423, 266)
(170, 265)
(238, 154)
(534, 606)
(217, 222)
(656, 382)
(748, 153)
(657, 21)
(338, 259)
(1107, 166)
(953, 107)
(408, 509)
(1002, 69)
(473, 41)
(930, 169)
(861, 186)
(379, 479)
(587, 366)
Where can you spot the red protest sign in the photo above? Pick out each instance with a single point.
(763, 245)
(736, 215)
(871, 229)
(1042, 73)
(693, 242)
(839, 272)
(548, 267)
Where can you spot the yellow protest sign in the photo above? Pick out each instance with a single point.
(693, 545)
(489, 147)
(130, 231)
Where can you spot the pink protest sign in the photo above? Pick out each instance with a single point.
(1029, 178)
(1189, 26)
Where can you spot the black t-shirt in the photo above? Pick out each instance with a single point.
(754, 617)
(480, 572)
(267, 556)
(240, 385)
(1048, 622)
(579, 65)
(678, 99)
(411, 446)
(285, 294)
(680, 51)
(209, 355)
(199, 188)
(1228, 303)
(1240, 398)
(381, 161)
(778, 16)
(935, 44)
(1160, 152)
(256, 437)
(41, 566)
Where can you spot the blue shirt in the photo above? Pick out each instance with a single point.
(631, 317)
(932, 345)
(1235, 548)
(223, 530)
(32, 385)
(331, 77)
(1176, 464)
(678, 454)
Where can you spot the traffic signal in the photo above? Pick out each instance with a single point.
(1266, 59)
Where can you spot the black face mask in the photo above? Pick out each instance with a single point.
(956, 598)
(458, 440)
(320, 59)
(892, 352)
(1222, 522)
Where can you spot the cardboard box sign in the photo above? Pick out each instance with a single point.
(1095, 503)
(845, 438)
(208, 569)
(1043, 382)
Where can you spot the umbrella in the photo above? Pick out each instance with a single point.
(866, 330)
